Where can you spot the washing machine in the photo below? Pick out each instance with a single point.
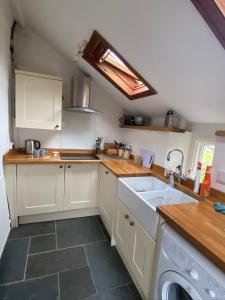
(183, 273)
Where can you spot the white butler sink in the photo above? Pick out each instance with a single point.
(144, 184)
(141, 195)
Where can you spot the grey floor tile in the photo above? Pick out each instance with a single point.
(106, 266)
(134, 291)
(76, 284)
(121, 293)
(42, 243)
(13, 260)
(103, 227)
(78, 231)
(45, 288)
(55, 261)
(33, 229)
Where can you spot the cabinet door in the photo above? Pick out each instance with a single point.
(40, 188)
(142, 255)
(38, 102)
(122, 228)
(107, 190)
(81, 182)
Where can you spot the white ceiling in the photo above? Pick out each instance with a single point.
(168, 42)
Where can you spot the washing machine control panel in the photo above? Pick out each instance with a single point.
(183, 258)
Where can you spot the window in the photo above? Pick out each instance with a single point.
(106, 60)
(213, 11)
(204, 153)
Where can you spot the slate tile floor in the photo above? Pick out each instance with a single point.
(63, 260)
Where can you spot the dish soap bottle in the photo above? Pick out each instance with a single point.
(197, 178)
(205, 186)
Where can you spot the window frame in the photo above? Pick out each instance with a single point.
(213, 17)
(198, 150)
(96, 41)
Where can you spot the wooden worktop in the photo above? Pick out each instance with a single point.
(125, 168)
(120, 168)
(19, 157)
(200, 224)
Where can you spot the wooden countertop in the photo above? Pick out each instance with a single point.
(125, 168)
(19, 157)
(121, 168)
(200, 224)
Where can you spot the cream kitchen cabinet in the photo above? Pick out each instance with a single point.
(81, 183)
(136, 246)
(38, 101)
(40, 188)
(107, 191)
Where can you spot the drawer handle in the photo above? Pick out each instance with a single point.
(69, 167)
(106, 172)
(126, 216)
(61, 166)
(131, 223)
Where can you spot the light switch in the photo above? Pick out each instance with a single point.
(221, 176)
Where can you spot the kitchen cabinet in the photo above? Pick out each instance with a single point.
(40, 188)
(81, 182)
(38, 101)
(107, 191)
(137, 247)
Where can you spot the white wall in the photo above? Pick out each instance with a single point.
(5, 24)
(160, 143)
(219, 162)
(79, 130)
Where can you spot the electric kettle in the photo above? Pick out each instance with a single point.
(31, 145)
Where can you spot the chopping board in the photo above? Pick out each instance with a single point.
(147, 157)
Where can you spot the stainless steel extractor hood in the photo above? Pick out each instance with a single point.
(81, 95)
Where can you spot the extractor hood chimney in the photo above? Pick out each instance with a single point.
(81, 95)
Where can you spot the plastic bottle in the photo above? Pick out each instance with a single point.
(197, 178)
(205, 186)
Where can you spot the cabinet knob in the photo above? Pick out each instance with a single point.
(131, 223)
(69, 166)
(56, 126)
(126, 216)
(61, 166)
(106, 172)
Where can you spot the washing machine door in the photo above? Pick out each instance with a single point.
(173, 286)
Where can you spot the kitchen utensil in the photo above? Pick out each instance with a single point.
(31, 145)
(98, 145)
(147, 157)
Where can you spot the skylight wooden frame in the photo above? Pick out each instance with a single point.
(94, 50)
(213, 16)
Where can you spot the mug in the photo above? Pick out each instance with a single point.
(36, 153)
(42, 152)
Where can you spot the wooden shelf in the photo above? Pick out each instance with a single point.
(220, 133)
(162, 129)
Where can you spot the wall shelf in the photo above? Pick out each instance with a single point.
(161, 129)
(220, 133)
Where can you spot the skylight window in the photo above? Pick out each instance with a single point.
(221, 5)
(106, 60)
(213, 11)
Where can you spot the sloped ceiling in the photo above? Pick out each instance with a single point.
(168, 42)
